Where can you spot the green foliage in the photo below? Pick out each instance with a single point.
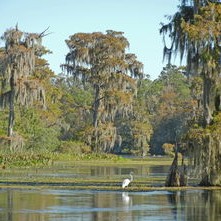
(205, 34)
(136, 129)
(89, 157)
(74, 147)
(215, 127)
(171, 106)
(26, 159)
(173, 77)
(35, 131)
(3, 122)
(18, 63)
(75, 109)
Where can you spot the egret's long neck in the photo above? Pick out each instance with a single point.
(131, 177)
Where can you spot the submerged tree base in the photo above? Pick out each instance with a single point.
(176, 177)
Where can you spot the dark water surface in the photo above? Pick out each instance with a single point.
(67, 205)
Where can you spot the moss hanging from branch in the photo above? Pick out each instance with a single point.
(17, 66)
(195, 31)
(101, 60)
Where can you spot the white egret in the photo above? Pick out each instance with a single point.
(127, 181)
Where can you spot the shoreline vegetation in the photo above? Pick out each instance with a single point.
(29, 159)
(31, 175)
(94, 187)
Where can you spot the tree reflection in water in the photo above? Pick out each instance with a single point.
(66, 205)
(202, 205)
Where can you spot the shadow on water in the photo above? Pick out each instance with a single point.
(66, 205)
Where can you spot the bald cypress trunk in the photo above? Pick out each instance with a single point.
(211, 148)
(205, 141)
(11, 116)
(95, 118)
(173, 178)
(208, 100)
(176, 176)
(96, 106)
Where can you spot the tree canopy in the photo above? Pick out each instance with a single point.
(195, 34)
(101, 60)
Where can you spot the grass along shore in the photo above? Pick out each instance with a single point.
(62, 173)
(31, 159)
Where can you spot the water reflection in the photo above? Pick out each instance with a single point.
(87, 171)
(196, 205)
(127, 200)
(65, 205)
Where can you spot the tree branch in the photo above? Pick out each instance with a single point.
(43, 34)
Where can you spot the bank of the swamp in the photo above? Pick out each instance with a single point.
(74, 171)
(136, 187)
(89, 172)
(30, 159)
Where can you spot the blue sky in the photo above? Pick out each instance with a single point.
(138, 19)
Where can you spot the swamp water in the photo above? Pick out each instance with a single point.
(67, 205)
(54, 204)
